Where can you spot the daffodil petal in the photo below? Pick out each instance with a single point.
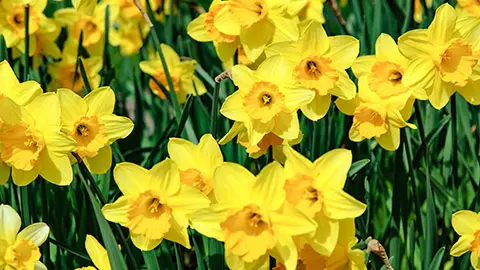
(390, 140)
(10, 223)
(475, 260)
(207, 221)
(415, 44)
(4, 173)
(25, 92)
(343, 51)
(188, 200)
(332, 168)
(231, 182)
(233, 107)
(182, 152)
(291, 221)
(286, 126)
(100, 163)
(210, 151)
(56, 169)
(465, 222)
(339, 205)
(317, 108)
(348, 106)
(117, 211)
(100, 101)
(463, 245)
(344, 87)
(285, 29)
(143, 243)
(116, 127)
(326, 235)
(23, 178)
(440, 92)
(442, 27)
(196, 29)
(235, 262)
(131, 178)
(178, 233)
(267, 189)
(255, 38)
(314, 39)
(97, 253)
(72, 106)
(9, 80)
(363, 65)
(285, 251)
(37, 233)
(165, 178)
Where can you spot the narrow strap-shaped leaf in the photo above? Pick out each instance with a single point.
(151, 260)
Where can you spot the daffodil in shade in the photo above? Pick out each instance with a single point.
(441, 60)
(66, 74)
(318, 62)
(196, 163)
(181, 72)
(307, 9)
(257, 23)
(468, 8)
(342, 257)
(267, 100)
(467, 224)
(203, 29)
(32, 143)
(252, 217)
(21, 94)
(20, 249)
(155, 204)
(316, 188)
(97, 253)
(91, 123)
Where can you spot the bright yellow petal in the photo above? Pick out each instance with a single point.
(131, 179)
(232, 184)
(233, 107)
(56, 169)
(285, 28)
(100, 101)
(442, 27)
(25, 92)
(332, 168)
(48, 102)
(326, 235)
(285, 251)
(183, 153)
(286, 48)
(255, 38)
(343, 51)
(465, 222)
(440, 92)
(275, 69)
(243, 77)
(210, 153)
(10, 223)
(165, 178)
(117, 211)
(72, 106)
(286, 126)
(207, 221)
(317, 108)
(268, 187)
(37, 233)
(296, 98)
(187, 201)
(415, 44)
(178, 233)
(102, 162)
(150, 67)
(200, 88)
(314, 39)
(171, 57)
(363, 65)
(390, 140)
(347, 106)
(470, 92)
(23, 178)
(344, 87)
(226, 51)
(97, 253)
(116, 127)
(224, 23)
(291, 221)
(296, 163)
(463, 245)
(339, 205)
(4, 173)
(475, 260)
(143, 243)
(85, 6)
(420, 73)
(196, 29)
(9, 79)
(387, 50)
(395, 118)
(235, 262)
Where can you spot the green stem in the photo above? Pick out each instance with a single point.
(106, 59)
(453, 106)
(27, 43)
(408, 16)
(23, 192)
(214, 113)
(83, 73)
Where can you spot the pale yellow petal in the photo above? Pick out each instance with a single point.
(344, 87)
(187, 201)
(233, 107)
(465, 222)
(343, 51)
(183, 153)
(72, 106)
(100, 101)
(25, 92)
(326, 235)
(37, 233)
(363, 65)
(178, 233)
(296, 163)
(116, 127)
(10, 223)
(267, 189)
(415, 44)
(463, 245)
(285, 251)
(207, 221)
(314, 39)
(286, 126)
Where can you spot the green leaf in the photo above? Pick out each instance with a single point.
(151, 260)
(357, 166)
(437, 260)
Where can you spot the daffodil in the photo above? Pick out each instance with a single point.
(252, 217)
(32, 143)
(257, 23)
(20, 249)
(66, 74)
(342, 257)
(441, 60)
(20, 93)
(467, 224)
(316, 188)
(12, 20)
(97, 253)
(129, 36)
(203, 29)
(384, 102)
(469, 8)
(91, 123)
(307, 9)
(267, 100)
(154, 205)
(181, 72)
(318, 62)
(196, 163)
(239, 130)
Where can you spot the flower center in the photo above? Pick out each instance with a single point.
(16, 19)
(386, 80)
(162, 79)
(316, 73)
(301, 192)
(90, 136)
(370, 121)
(148, 216)
(195, 178)
(248, 233)
(21, 146)
(264, 101)
(456, 62)
(248, 12)
(22, 255)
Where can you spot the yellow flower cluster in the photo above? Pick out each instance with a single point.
(300, 68)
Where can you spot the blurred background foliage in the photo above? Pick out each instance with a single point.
(411, 193)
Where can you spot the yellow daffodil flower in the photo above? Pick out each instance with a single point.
(181, 73)
(318, 62)
(20, 249)
(442, 61)
(129, 36)
(252, 217)
(467, 224)
(97, 253)
(196, 163)
(154, 204)
(384, 102)
(257, 23)
(12, 20)
(21, 94)
(84, 6)
(66, 74)
(468, 8)
(267, 100)
(316, 188)
(307, 9)
(203, 29)
(239, 130)
(91, 123)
